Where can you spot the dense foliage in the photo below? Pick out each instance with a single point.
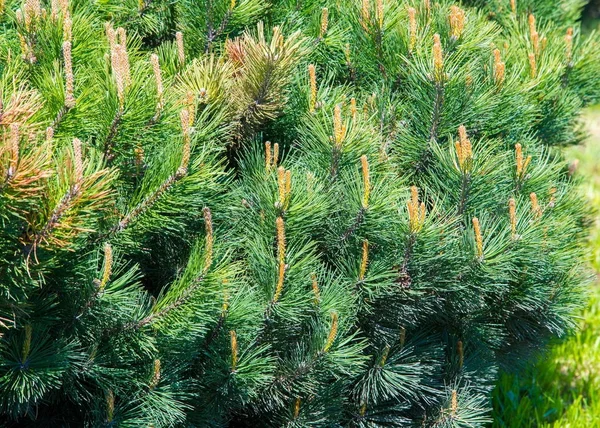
(243, 213)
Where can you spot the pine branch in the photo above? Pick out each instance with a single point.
(148, 202)
(182, 299)
(63, 205)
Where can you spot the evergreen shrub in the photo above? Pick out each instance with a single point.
(284, 213)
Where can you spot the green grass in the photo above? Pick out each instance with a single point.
(563, 388)
(589, 160)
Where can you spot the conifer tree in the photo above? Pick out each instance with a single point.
(252, 213)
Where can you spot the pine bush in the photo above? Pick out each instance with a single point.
(285, 213)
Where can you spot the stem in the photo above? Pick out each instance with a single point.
(215, 332)
(438, 103)
(336, 154)
(59, 116)
(403, 277)
(464, 192)
(212, 34)
(360, 216)
(379, 42)
(112, 133)
(565, 79)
